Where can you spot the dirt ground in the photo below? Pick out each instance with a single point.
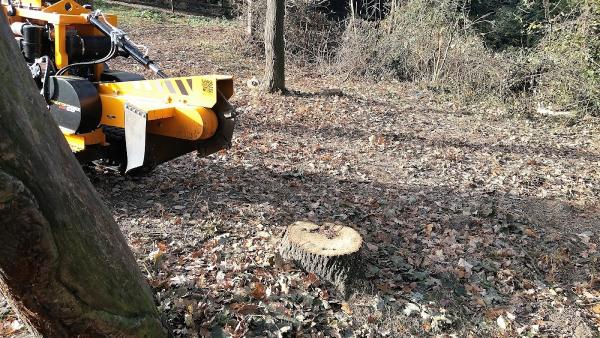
(476, 223)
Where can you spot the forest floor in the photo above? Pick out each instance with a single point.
(476, 223)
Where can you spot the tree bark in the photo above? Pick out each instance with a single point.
(330, 251)
(249, 20)
(275, 46)
(65, 267)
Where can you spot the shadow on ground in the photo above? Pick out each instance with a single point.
(469, 253)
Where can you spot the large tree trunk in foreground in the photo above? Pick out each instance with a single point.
(65, 267)
(330, 251)
(275, 46)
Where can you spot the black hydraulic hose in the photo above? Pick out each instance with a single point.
(110, 55)
(12, 11)
(120, 38)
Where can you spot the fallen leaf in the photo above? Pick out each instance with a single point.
(346, 308)
(501, 323)
(411, 308)
(155, 256)
(372, 247)
(245, 308)
(466, 266)
(258, 291)
(310, 279)
(428, 229)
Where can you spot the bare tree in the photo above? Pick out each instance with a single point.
(65, 267)
(249, 20)
(275, 46)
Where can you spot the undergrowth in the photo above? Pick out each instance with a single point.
(157, 16)
(524, 56)
(440, 45)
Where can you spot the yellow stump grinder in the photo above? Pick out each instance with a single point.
(110, 115)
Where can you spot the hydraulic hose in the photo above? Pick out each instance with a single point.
(119, 38)
(12, 11)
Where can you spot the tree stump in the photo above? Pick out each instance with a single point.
(330, 251)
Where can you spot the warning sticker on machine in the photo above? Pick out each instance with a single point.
(66, 107)
(207, 86)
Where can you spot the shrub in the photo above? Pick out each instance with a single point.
(436, 43)
(311, 38)
(537, 52)
(518, 23)
(562, 72)
(425, 41)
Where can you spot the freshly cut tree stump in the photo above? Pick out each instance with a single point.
(330, 251)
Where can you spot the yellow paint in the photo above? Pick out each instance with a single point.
(60, 16)
(63, 14)
(67, 7)
(60, 46)
(203, 91)
(77, 142)
(170, 112)
(187, 123)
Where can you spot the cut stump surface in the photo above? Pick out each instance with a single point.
(330, 251)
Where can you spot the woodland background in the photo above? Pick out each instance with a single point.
(522, 55)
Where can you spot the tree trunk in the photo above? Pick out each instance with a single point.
(65, 267)
(275, 47)
(249, 23)
(330, 251)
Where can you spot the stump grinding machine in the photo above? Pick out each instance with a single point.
(113, 116)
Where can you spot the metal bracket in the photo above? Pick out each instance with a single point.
(135, 135)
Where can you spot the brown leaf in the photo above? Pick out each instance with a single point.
(372, 319)
(346, 308)
(494, 313)
(245, 308)
(158, 283)
(258, 291)
(428, 229)
(384, 287)
(529, 232)
(310, 279)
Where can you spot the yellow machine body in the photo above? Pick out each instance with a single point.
(176, 107)
(182, 114)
